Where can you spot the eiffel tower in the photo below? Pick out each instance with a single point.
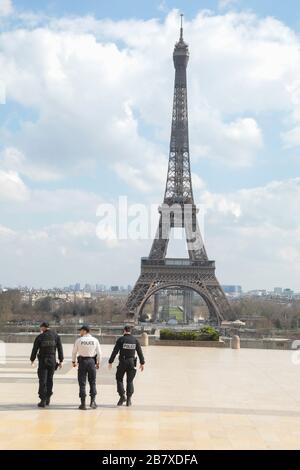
(179, 210)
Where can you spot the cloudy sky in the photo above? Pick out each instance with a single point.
(86, 117)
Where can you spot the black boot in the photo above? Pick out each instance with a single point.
(93, 404)
(42, 404)
(48, 401)
(83, 405)
(128, 402)
(122, 400)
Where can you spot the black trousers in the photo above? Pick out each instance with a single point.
(46, 371)
(126, 366)
(87, 369)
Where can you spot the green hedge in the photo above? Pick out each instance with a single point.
(206, 333)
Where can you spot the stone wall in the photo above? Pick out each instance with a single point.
(267, 343)
(195, 344)
(66, 338)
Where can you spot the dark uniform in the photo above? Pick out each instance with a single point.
(87, 370)
(126, 346)
(45, 346)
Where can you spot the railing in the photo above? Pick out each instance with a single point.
(177, 262)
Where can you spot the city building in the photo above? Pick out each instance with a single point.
(232, 290)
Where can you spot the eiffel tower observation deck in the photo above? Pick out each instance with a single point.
(179, 211)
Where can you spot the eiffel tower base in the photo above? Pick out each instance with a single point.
(197, 275)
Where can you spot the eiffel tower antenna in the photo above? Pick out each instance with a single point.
(181, 27)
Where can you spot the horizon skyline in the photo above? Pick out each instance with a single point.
(108, 286)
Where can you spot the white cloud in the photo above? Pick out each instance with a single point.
(132, 176)
(70, 252)
(289, 253)
(275, 204)
(197, 182)
(69, 230)
(220, 204)
(235, 144)
(64, 201)
(45, 207)
(6, 7)
(2, 93)
(162, 6)
(34, 236)
(6, 232)
(254, 234)
(90, 78)
(12, 159)
(227, 3)
(102, 101)
(12, 187)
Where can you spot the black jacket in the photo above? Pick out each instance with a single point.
(126, 347)
(46, 344)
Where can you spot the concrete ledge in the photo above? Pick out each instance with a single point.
(111, 339)
(267, 343)
(195, 344)
(66, 338)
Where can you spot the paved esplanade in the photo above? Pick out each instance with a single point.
(186, 398)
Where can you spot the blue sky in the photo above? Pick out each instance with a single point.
(287, 11)
(87, 116)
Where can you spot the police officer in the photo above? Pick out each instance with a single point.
(126, 346)
(45, 346)
(87, 348)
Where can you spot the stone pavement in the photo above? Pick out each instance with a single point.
(187, 398)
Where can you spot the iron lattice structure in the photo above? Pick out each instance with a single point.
(179, 210)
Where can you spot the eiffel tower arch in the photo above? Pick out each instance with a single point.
(178, 210)
(212, 298)
(198, 276)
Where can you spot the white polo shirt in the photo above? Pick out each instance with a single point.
(86, 346)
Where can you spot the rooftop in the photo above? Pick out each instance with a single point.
(187, 398)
